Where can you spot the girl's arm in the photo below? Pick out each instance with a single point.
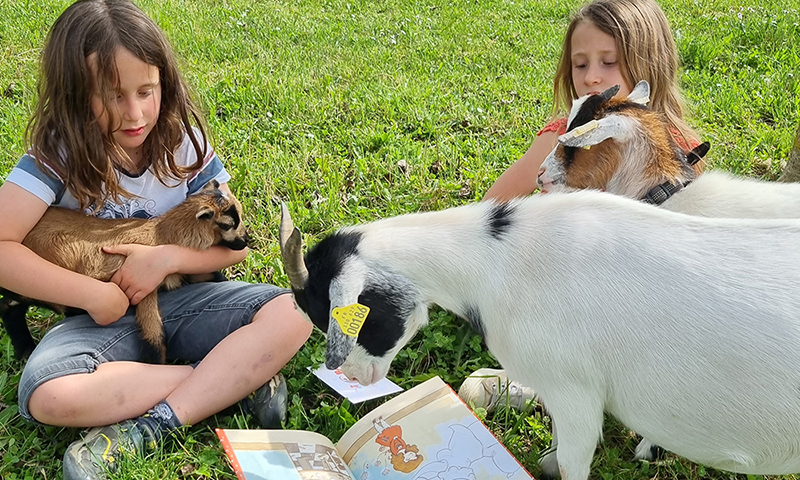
(520, 178)
(146, 266)
(25, 273)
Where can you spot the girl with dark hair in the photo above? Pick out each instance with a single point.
(115, 134)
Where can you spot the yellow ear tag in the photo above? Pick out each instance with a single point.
(584, 129)
(351, 318)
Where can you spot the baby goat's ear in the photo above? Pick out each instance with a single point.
(205, 213)
(211, 185)
(596, 131)
(344, 292)
(640, 93)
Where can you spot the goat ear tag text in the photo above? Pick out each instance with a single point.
(351, 318)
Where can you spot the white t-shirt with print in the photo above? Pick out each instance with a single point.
(152, 198)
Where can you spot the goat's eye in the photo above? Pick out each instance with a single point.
(224, 226)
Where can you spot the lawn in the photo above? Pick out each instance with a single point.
(352, 111)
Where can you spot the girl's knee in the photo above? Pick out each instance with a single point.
(55, 402)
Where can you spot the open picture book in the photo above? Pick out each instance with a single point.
(425, 433)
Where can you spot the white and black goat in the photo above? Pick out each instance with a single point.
(74, 241)
(583, 296)
(621, 146)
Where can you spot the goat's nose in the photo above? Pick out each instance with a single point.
(540, 176)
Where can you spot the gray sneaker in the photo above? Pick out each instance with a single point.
(269, 403)
(488, 388)
(98, 451)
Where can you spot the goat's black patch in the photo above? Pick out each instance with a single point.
(234, 214)
(324, 262)
(587, 112)
(500, 219)
(591, 107)
(389, 297)
(390, 303)
(473, 316)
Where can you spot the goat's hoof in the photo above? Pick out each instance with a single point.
(549, 464)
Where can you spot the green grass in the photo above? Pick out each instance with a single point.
(316, 102)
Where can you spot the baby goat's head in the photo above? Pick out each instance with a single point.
(378, 312)
(616, 144)
(210, 217)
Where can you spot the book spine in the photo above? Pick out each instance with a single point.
(226, 445)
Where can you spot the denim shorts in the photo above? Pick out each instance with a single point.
(196, 317)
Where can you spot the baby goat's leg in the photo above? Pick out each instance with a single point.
(580, 423)
(15, 320)
(151, 327)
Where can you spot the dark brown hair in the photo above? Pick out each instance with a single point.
(63, 131)
(646, 51)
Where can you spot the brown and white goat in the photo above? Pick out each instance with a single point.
(74, 241)
(621, 146)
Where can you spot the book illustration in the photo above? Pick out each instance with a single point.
(460, 448)
(403, 457)
(312, 460)
(426, 433)
(293, 455)
(354, 391)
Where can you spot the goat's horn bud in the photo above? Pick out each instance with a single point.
(610, 92)
(292, 250)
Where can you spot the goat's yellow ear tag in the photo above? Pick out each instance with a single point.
(584, 129)
(351, 318)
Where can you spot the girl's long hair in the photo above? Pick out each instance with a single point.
(646, 51)
(63, 132)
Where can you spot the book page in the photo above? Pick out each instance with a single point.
(354, 391)
(426, 433)
(282, 455)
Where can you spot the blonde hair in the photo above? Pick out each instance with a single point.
(63, 131)
(645, 51)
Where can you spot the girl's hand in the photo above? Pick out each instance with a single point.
(111, 304)
(143, 270)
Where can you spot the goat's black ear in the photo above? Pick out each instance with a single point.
(205, 213)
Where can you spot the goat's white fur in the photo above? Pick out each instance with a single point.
(586, 295)
(712, 194)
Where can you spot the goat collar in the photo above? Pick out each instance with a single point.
(660, 193)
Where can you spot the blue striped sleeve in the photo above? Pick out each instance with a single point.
(213, 170)
(28, 175)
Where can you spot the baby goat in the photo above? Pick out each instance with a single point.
(582, 296)
(74, 241)
(623, 147)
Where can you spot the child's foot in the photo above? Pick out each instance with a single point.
(97, 452)
(269, 403)
(488, 388)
